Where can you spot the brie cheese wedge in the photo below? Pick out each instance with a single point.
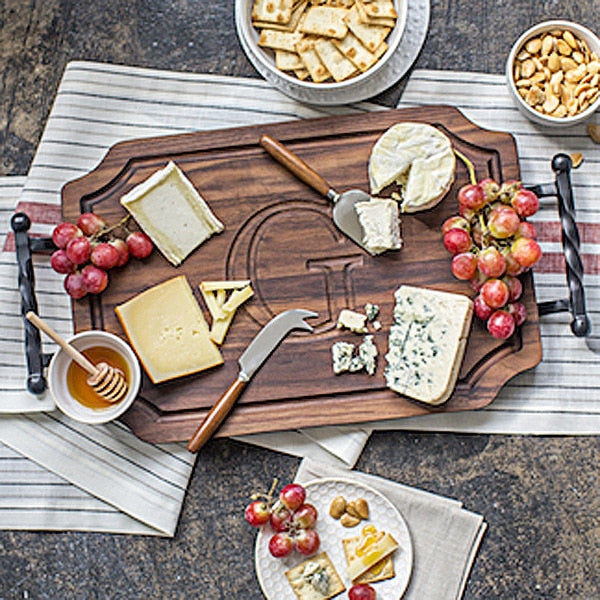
(419, 158)
(380, 223)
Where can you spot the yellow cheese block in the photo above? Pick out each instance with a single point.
(168, 331)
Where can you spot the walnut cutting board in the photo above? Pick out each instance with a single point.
(279, 234)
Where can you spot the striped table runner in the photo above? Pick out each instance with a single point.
(58, 474)
(562, 394)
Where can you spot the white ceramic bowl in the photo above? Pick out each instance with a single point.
(578, 31)
(57, 378)
(264, 60)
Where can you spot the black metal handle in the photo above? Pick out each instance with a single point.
(563, 190)
(36, 360)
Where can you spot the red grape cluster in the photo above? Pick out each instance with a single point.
(291, 519)
(492, 243)
(90, 248)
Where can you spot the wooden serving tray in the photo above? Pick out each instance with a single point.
(279, 234)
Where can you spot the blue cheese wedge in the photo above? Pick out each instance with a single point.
(379, 220)
(342, 354)
(427, 343)
(172, 212)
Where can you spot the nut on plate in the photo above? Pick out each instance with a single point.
(337, 507)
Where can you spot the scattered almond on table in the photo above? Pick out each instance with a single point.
(324, 40)
(557, 74)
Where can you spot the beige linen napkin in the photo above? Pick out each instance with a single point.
(444, 535)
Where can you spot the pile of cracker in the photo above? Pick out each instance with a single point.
(324, 40)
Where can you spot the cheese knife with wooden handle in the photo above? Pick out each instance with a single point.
(260, 348)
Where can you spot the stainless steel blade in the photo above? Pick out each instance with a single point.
(269, 337)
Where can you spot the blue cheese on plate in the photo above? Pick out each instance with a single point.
(427, 343)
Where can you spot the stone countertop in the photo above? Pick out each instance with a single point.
(539, 495)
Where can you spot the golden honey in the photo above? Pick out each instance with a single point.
(77, 376)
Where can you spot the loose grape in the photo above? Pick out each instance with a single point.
(139, 244)
(495, 293)
(525, 202)
(515, 287)
(455, 222)
(307, 541)
(457, 240)
(482, 310)
(472, 196)
(464, 265)
(257, 513)
(503, 222)
(490, 188)
(60, 262)
(281, 544)
(78, 250)
(361, 591)
(105, 255)
(501, 324)
(518, 312)
(63, 233)
(122, 249)
(526, 229)
(292, 495)
(90, 223)
(526, 251)
(491, 262)
(74, 285)
(95, 280)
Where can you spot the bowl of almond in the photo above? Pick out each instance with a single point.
(553, 73)
(322, 52)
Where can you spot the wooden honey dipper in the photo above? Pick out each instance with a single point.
(107, 381)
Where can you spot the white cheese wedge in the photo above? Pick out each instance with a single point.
(168, 332)
(380, 223)
(171, 211)
(418, 157)
(427, 343)
(352, 320)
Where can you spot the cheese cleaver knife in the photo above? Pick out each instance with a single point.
(260, 348)
(344, 210)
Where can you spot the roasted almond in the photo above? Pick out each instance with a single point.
(362, 507)
(337, 507)
(348, 520)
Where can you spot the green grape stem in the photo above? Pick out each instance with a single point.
(469, 165)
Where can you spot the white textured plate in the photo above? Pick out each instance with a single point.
(320, 492)
(413, 38)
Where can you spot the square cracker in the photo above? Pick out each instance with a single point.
(291, 25)
(272, 11)
(371, 36)
(380, 571)
(327, 21)
(279, 40)
(287, 61)
(337, 64)
(304, 590)
(353, 49)
(378, 9)
(318, 71)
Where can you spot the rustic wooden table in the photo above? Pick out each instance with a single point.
(539, 495)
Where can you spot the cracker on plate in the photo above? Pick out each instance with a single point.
(315, 579)
(384, 569)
